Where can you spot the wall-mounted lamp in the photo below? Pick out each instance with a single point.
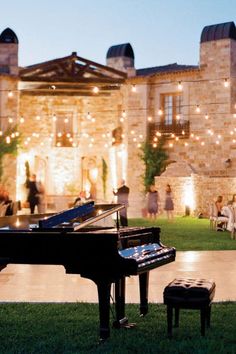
(228, 163)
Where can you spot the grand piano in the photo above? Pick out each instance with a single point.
(87, 240)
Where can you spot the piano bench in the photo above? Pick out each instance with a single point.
(195, 294)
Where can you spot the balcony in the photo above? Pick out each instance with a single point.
(179, 129)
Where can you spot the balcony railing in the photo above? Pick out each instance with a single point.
(176, 129)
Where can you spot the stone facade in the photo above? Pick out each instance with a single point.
(203, 161)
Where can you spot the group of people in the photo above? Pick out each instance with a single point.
(153, 202)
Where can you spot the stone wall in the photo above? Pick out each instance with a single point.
(197, 192)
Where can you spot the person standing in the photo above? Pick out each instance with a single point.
(122, 194)
(169, 204)
(152, 202)
(33, 193)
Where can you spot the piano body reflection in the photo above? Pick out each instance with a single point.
(80, 240)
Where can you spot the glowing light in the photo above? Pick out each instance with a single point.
(123, 114)
(160, 112)
(66, 120)
(171, 145)
(149, 119)
(8, 139)
(188, 195)
(198, 110)
(180, 86)
(17, 224)
(10, 94)
(88, 116)
(206, 116)
(38, 117)
(226, 83)
(93, 173)
(53, 87)
(54, 117)
(202, 143)
(10, 120)
(22, 120)
(133, 88)
(95, 89)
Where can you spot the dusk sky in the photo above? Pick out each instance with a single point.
(160, 31)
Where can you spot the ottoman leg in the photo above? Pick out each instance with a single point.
(176, 317)
(169, 320)
(208, 316)
(203, 320)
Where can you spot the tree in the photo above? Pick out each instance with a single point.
(9, 141)
(155, 161)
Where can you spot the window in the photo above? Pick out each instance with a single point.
(64, 132)
(171, 104)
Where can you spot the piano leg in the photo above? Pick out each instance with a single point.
(104, 291)
(143, 290)
(121, 319)
(120, 303)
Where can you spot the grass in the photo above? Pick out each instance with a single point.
(189, 234)
(72, 328)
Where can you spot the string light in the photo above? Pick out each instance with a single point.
(95, 89)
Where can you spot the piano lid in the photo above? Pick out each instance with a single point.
(74, 218)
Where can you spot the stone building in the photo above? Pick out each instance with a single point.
(82, 123)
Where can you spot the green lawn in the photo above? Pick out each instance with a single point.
(189, 234)
(72, 328)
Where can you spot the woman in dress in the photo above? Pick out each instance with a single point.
(169, 204)
(152, 202)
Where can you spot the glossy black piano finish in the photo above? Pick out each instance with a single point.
(104, 254)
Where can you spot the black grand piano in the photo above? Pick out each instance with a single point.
(87, 240)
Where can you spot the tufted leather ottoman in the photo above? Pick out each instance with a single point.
(196, 294)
